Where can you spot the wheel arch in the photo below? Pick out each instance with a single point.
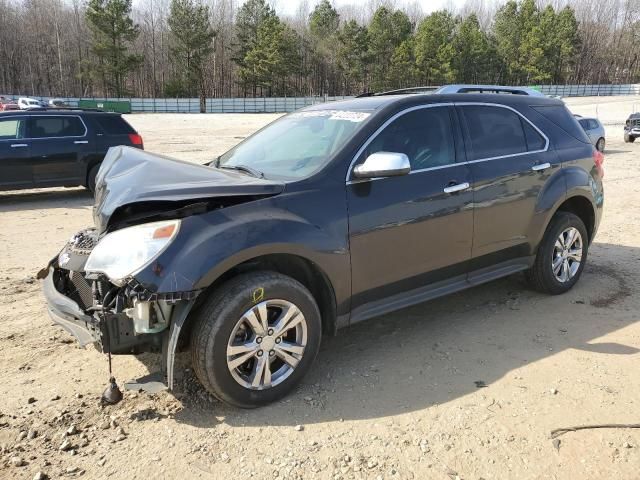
(582, 207)
(301, 269)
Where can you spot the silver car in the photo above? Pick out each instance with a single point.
(594, 130)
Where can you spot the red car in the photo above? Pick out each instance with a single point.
(7, 104)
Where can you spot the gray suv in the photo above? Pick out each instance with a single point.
(632, 128)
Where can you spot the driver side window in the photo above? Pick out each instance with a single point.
(424, 135)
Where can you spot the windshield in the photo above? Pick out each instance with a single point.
(297, 145)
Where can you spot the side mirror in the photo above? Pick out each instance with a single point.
(383, 164)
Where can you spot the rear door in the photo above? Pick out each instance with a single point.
(58, 145)
(510, 163)
(14, 154)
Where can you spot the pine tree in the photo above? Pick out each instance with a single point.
(324, 21)
(251, 16)
(434, 48)
(506, 31)
(191, 44)
(387, 30)
(273, 56)
(402, 70)
(353, 56)
(474, 61)
(113, 32)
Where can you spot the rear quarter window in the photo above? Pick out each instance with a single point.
(113, 125)
(562, 118)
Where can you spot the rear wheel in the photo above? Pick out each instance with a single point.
(561, 255)
(255, 338)
(600, 144)
(91, 178)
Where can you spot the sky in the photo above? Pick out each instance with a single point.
(289, 7)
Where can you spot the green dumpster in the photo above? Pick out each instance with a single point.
(119, 106)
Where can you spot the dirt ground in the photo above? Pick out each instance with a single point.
(464, 387)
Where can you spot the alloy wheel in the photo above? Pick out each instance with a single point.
(567, 255)
(267, 344)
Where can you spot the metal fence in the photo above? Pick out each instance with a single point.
(289, 104)
(213, 105)
(589, 90)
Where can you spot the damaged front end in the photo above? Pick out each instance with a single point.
(116, 285)
(117, 318)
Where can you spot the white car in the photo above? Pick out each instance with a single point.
(57, 103)
(26, 103)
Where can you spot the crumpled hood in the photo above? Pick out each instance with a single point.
(131, 176)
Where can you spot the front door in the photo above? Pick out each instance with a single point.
(57, 146)
(410, 231)
(14, 154)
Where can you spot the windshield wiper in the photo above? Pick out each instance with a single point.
(243, 168)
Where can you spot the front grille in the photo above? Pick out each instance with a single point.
(83, 242)
(81, 291)
(635, 123)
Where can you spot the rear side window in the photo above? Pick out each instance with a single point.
(12, 128)
(584, 124)
(424, 135)
(494, 131)
(51, 127)
(113, 125)
(561, 117)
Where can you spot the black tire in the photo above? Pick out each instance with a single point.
(540, 276)
(600, 145)
(629, 138)
(216, 319)
(91, 178)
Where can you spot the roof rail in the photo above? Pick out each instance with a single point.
(447, 89)
(489, 89)
(415, 90)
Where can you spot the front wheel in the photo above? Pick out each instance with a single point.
(91, 178)
(629, 138)
(255, 338)
(561, 255)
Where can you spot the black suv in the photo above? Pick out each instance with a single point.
(58, 148)
(328, 216)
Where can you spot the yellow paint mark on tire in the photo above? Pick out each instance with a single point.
(258, 294)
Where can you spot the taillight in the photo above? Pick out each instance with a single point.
(136, 139)
(598, 160)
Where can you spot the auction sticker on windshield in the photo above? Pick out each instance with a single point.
(350, 116)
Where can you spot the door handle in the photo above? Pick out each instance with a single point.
(77, 142)
(456, 188)
(541, 166)
(19, 145)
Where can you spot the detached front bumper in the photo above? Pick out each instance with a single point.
(68, 314)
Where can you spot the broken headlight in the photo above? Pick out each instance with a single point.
(127, 251)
